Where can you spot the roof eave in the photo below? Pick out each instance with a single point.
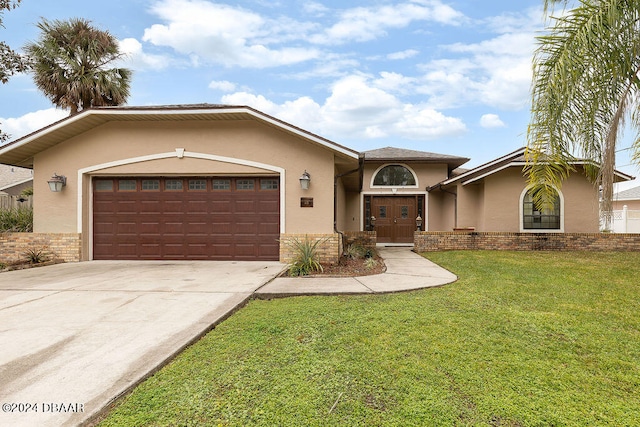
(22, 156)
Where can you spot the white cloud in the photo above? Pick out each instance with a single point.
(139, 60)
(405, 54)
(491, 121)
(357, 109)
(314, 8)
(368, 23)
(18, 127)
(232, 36)
(495, 72)
(222, 85)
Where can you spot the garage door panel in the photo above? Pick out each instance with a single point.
(208, 218)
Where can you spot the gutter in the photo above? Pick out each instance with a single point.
(335, 197)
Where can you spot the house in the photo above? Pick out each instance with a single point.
(626, 211)
(223, 182)
(14, 180)
(629, 198)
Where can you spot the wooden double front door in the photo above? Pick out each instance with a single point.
(395, 218)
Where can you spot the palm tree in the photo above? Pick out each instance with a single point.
(70, 65)
(585, 89)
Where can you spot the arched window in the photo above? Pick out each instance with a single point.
(548, 218)
(395, 175)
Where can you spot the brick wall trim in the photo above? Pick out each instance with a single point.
(465, 240)
(63, 246)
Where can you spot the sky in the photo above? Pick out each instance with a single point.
(444, 76)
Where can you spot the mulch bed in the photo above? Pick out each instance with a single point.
(351, 267)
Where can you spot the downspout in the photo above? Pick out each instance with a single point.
(335, 198)
(455, 201)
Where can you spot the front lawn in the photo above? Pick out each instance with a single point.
(522, 339)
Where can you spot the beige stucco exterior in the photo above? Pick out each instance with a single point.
(494, 203)
(242, 142)
(632, 204)
(243, 147)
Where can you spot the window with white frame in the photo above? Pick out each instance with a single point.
(540, 218)
(394, 176)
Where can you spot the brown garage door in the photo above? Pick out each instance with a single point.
(208, 218)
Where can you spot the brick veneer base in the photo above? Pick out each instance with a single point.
(328, 250)
(366, 239)
(443, 241)
(64, 246)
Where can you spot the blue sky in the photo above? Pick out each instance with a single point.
(450, 77)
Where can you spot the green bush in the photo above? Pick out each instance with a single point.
(36, 255)
(306, 257)
(16, 220)
(358, 251)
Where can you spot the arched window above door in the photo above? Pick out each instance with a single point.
(394, 176)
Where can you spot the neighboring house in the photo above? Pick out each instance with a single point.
(228, 182)
(626, 211)
(629, 198)
(13, 180)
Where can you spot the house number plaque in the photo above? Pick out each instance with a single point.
(306, 202)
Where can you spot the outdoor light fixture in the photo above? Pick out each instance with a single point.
(305, 179)
(372, 222)
(57, 182)
(419, 223)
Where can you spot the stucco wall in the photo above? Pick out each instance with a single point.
(245, 140)
(494, 205)
(632, 205)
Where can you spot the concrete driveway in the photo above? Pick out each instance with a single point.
(74, 336)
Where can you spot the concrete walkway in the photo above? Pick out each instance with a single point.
(406, 271)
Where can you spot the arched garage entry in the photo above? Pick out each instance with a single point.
(207, 217)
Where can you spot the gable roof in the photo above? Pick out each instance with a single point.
(11, 176)
(21, 151)
(515, 158)
(393, 154)
(629, 194)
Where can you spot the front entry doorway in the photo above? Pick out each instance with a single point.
(395, 217)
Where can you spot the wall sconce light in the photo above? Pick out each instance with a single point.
(305, 179)
(57, 182)
(372, 221)
(419, 223)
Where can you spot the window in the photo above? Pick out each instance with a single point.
(536, 219)
(104, 185)
(198, 184)
(268, 184)
(244, 184)
(173, 184)
(127, 185)
(383, 212)
(221, 184)
(150, 184)
(394, 175)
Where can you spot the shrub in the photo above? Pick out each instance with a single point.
(370, 263)
(306, 257)
(36, 255)
(357, 251)
(16, 220)
(354, 251)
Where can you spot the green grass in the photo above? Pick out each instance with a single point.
(522, 339)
